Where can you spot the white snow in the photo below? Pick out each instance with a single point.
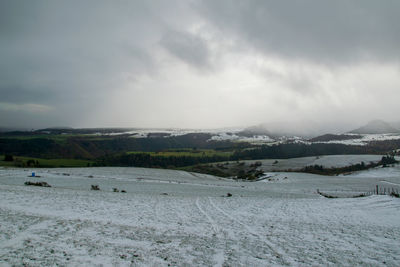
(364, 139)
(257, 139)
(182, 219)
(326, 161)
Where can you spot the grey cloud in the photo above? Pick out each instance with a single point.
(18, 95)
(329, 31)
(82, 58)
(187, 47)
(73, 55)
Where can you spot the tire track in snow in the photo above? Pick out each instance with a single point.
(387, 182)
(156, 209)
(214, 226)
(219, 256)
(26, 234)
(269, 244)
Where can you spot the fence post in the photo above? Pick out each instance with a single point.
(377, 192)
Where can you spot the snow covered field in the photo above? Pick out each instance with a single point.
(326, 161)
(182, 219)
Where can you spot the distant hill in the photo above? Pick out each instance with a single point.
(254, 130)
(334, 137)
(58, 128)
(376, 127)
(12, 129)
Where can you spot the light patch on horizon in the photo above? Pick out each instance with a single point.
(26, 107)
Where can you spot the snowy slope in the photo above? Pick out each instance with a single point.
(363, 140)
(326, 161)
(181, 219)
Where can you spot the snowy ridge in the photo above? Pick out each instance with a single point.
(257, 139)
(364, 140)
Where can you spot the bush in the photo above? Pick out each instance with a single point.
(393, 194)
(387, 160)
(8, 158)
(94, 187)
(44, 184)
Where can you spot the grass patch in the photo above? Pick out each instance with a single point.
(45, 163)
(186, 153)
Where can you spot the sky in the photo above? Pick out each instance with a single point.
(198, 64)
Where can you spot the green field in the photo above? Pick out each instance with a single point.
(48, 163)
(186, 153)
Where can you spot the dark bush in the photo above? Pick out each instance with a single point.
(44, 184)
(8, 158)
(94, 187)
(387, 160)
(393, 194)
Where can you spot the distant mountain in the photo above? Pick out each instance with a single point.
(376, 127)
(396, 124)
(301, 128)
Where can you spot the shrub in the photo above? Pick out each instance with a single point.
(94, 187)
(388, 159)
(393, 194)
(44, 184)
(8, 158)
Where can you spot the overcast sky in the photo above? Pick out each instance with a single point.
(198, 64)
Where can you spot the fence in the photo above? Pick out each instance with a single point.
(379, 190)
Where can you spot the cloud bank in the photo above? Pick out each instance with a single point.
(197, 64)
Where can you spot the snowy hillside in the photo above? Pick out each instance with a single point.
(362, 139)
(173, 218)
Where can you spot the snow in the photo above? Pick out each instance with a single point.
(225, 134)
(257, 139)
(233, 134)
(184, 219)
(326, 161)
(364, 139)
